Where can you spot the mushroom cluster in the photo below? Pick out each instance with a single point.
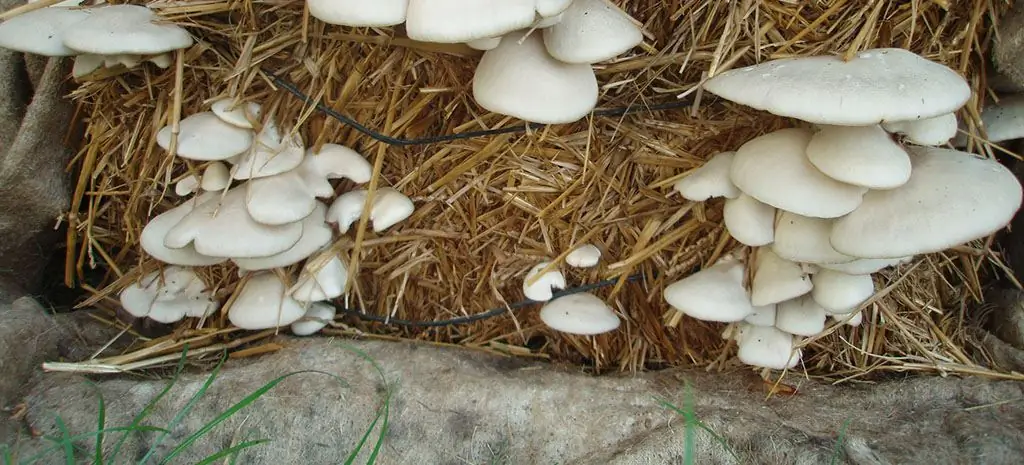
(537, 56)
(260, 203)
(580, 313)
(101, 36)
(823, 209)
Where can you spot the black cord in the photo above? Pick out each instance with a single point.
(292, 89)
(619, 111)
(480, 316)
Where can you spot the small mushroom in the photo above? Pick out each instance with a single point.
(519, 78)
(806, 240)
(713, 294)
(591, 31)
(840, 292)
(540, 289)
(347, 209)
(262, 303)
(168, 296)
(936, 130)
(271, 153)
(777, 279)
(774, 169)
(204, 137)
(460, 21)
(581, 313)
(859, 155)
(236, 113)
(710, 180)
(390, 207)
(156, 230)
(749, 221)
(317, 316)
(323, 277)
(584, 256)
(763, 316)
(359, 13)
(802, 316)
(766, 347)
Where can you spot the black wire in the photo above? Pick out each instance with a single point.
(619, 111)
(292, 89)
(480, 316)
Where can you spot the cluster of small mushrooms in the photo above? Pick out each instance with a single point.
(103, 36)
(538, 53)
(270, 219)
(580, 313)
(869, 187)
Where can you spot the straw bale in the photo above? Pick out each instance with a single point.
(489, 208)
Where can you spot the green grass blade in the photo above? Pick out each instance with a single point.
(384, 412)
(65, 441)
(362, 441)
(383, 431)
(689, 414)
(234, 409)
(101, 420)
(149, 407)
(838, 451)
(5, 452)
(187, 408)
(231, 450)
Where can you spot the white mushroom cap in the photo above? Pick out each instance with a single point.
(347, 209)
(222, 227)
(41, 32)
(763, 315)
(316, 233)
(581, 313)
(749, 221)
(487, 43)
(359, 13)
(203, 136)
(548, 8)
(715, 293)
(116, 29)
(155, 231)
(709, 180)
(186, 185)
(952, 197)
(271, 153)
(262, 304)
(236, 113)
(279, 199)
(766, 347)
(840, 292)
(540, 290)
(215, 177)
(390, 207)
(875, 86)
(333, 161)
(455, 21)
(168, 296)
(866, 265)
(584, 256)
(85, 64)
(591, 31)
(806, 240)
(777, 279)
(323, 277)
(936, 130)
(774, 169)
(801, 316)
(317, 316)
(523, 81)
(855, 318)
(1001, 121)
(859, 155)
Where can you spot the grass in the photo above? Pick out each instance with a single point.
(694, 425)
(68, 448)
